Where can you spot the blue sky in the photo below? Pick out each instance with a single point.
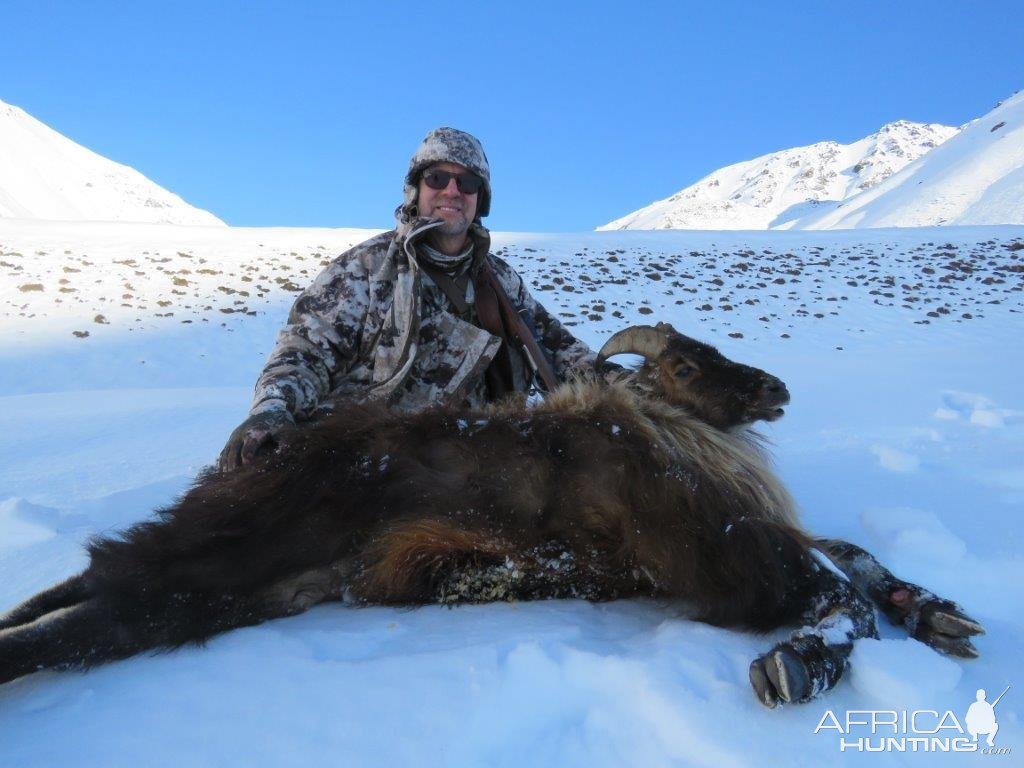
(305, 113)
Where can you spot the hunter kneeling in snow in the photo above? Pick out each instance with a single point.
(421, 315)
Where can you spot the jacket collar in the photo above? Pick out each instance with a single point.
(411, 229)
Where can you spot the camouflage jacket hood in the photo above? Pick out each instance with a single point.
(373, 325)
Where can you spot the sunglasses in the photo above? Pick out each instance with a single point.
(468, 183)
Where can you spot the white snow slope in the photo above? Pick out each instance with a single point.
(770, 191)
(977, 177)
(44, 175)
(906, 434)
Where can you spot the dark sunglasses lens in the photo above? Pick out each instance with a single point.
(469, 183)
(436, 179)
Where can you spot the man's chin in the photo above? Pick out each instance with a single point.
(449, 227)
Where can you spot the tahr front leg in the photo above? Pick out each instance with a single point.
(816, 656)
(933, 620)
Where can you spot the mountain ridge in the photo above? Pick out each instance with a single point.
(976, 178)
(769, 191)
(46, 175)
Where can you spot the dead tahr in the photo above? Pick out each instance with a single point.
(650, 486)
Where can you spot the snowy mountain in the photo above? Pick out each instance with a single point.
(128, 353)
(977, 177)
(44, 175)
(769, 191)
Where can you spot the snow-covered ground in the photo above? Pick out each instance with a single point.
(128, 353)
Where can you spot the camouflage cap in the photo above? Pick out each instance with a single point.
(449, 145)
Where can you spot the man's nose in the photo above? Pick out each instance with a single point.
(452, 189)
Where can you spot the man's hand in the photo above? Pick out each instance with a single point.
(253, 434)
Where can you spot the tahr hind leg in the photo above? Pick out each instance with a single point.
(933, 620)
(99, 630)
(815, 657)
(67, 593)
(75, 636)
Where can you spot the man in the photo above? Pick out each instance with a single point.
(417, 316)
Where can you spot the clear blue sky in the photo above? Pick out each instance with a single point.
(305, 113)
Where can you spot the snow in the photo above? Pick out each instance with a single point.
(895, 460)
(44, 175)
(977, 177)
(903, 671)
(905, 175)
(823, 560)
(774, 190)
(901, 349)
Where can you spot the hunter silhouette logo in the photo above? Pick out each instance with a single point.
(981, 717)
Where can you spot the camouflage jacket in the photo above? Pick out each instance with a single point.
(373, 325)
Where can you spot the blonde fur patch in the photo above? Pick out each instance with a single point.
(734, 461)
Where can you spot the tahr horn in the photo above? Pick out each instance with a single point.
(646, 340)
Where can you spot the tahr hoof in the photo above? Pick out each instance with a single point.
(763, 688)
(796, 671)
(780, 677)
(946, 628)
(939, 623)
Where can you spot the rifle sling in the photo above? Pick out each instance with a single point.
(454, 288)
(513, 324)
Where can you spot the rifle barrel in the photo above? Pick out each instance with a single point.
(1000, 696)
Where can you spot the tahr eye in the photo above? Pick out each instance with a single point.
(683, 371)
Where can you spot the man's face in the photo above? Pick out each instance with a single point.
(455, 208)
